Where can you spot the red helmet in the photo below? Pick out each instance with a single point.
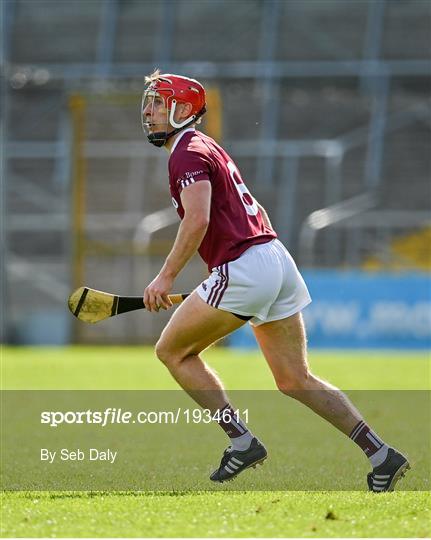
(174, 89)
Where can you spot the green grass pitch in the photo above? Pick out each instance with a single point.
(216, 513)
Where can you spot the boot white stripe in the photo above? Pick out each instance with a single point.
(229, 470)
(381, 476)
(232, 465)
(235, 460)
(380, 482)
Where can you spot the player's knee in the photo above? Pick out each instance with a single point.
(164, 353)
(294, 382)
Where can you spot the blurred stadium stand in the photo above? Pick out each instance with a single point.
(324, 105)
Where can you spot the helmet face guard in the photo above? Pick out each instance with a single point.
(171, 90)
(159, 137)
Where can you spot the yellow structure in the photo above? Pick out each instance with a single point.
(408, 252)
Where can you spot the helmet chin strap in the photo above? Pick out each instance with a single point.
(160, 138)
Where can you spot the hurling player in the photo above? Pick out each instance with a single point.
(252, 277)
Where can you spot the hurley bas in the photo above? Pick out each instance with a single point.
(92, 454)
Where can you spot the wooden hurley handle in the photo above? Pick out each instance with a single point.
(91, 306)
(178, 298)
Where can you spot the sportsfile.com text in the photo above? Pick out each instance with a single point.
(112, 416)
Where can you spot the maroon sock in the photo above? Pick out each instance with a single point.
(366, 438)
(230, 422)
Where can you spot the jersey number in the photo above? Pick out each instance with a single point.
(246, 198)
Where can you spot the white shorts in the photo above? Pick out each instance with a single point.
(263, 284)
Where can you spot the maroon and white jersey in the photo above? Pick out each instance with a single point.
(235, 220)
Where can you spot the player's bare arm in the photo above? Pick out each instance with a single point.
(196, 201)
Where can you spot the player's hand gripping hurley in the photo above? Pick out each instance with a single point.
(92, 306)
